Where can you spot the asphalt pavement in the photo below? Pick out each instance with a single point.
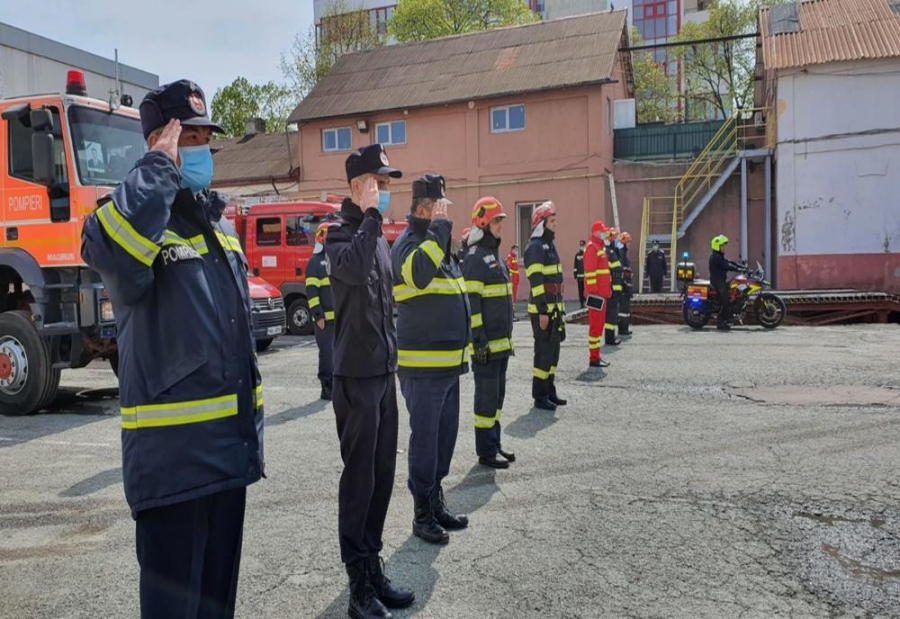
(749, 474)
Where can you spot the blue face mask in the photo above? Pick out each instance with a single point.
(619, 244)
(196, 167)
(384, 201)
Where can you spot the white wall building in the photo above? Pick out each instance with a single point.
(32, 64)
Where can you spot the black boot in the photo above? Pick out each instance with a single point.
(494, 462)
(363, 602)
(510, 456)
(390, 596)
(545, 404)
(424, 524)
(600, 363)
(557, 400)
(443, 517)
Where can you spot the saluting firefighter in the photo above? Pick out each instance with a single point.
(617, 272)
(598, 285)
(365, 389)
(627, 285)
(579, 272)
(545, 276)
(318, 292)
(490, 296)
(433, 338)
(189, 386)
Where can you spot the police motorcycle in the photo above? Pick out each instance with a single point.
(700, 300)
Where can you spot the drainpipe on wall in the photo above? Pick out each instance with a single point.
(744, 249)
(767, 242)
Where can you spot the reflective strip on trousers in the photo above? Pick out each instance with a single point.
(125, 236)
(486, 423)
(477, 321)
(431, 358)
(540, 374)
(537, 291)
(610, 327)
(181, 413)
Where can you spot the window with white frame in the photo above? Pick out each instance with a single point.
(508, 118)
(391, 134)
(336, 140)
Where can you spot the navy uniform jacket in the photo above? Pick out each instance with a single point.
(616, 269)
(719, 266)
(656, 263)
(359, 266)
(545, 275)
(490, 296)
(191, 400)
(433, 315)
(318, 288)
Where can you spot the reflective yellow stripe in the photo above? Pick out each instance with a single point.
(317, 281)
(431, 249)
(591, 282)
(196, 242)
(609, 327)
(314, 302)
(537, 291)
(615, 265)
(329, 315)
(552, 370)
(501, 345)
(434, 252)
(494, 291)
(540, 374)
(617, 287)
(258, 397)
(125, 236)
(229, 242)
(474, 286)
(438, 285)
(485, 422)
(532, 308)
(181, 413)
(602, 271)
(552, 269)
(431, 358)
(594, 346)
(477, 321)
(534, 268)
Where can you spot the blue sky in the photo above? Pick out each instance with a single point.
(208, 41)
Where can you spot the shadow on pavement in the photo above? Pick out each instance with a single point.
(473, 492)
(297, 413)
(72, 408)
(95, 483)
(594, 375)
(528, 426)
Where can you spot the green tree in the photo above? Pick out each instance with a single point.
(655, 93)
(235, 104)
(720, 76)
(344, 28)
(420, 20)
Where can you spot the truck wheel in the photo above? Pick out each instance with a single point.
(27, 379)
(299, 319)
(262, 345)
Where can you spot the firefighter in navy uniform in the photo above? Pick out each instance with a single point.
(490, 296)
(189, 387)
(433, 348)
(545, 276)
(318, 292)
(579, 272)
(627, 285)
(617, 273)
(365, 389)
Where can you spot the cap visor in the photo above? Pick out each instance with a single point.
(393, 173)
(199, 121)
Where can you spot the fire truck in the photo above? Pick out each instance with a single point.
(59, 154)
(278, 240)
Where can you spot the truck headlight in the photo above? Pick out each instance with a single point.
(106, 311)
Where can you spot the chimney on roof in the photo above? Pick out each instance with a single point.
(255, 126)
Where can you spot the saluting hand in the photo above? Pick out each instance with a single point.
(168, 140)
(370, 194)
(439, 212)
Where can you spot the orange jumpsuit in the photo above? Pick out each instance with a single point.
(597, 282)
(512, 263)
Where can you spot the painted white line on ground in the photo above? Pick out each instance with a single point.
(57, 443)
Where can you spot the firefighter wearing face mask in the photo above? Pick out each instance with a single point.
(598, 286)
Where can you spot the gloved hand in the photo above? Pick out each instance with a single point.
(482, 355)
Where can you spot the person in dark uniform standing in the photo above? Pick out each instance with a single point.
(365, 390)
(617, 273)
(579, 272)
(432, 353)
(189, 387)
(656, 267)
(490, 296)
(512, 264)
(545, 276)
(627, 287)
(318, 293)
(719, 267)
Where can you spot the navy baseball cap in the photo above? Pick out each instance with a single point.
(371, 159)
(431, 186)
(183, 100)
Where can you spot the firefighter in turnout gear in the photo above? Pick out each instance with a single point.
(512, 264)
(189, 386)
(617, 272)
(433, 352)
(627, 285)
(598, 286)
(365, 389)
(490, 297)
(318, 292)
(545, 276)
(579, 272)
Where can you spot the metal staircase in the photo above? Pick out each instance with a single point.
(747, 134)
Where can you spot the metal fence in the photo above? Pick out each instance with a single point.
(681, 141)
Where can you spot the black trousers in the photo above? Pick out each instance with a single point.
(490, 392)
(546, 357)
(656, 282)
(625, 312)
(190, 556)
(581, 290)
(433, 404)
(612, 317)
(325, 342)
(366, 413)
(724, 303)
